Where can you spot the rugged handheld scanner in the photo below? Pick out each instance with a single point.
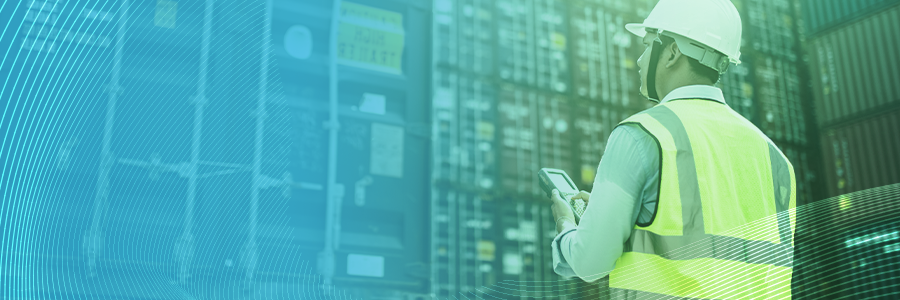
(551, 179)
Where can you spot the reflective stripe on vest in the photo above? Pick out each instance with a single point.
(723, 228)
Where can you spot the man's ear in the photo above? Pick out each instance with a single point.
(672, 54)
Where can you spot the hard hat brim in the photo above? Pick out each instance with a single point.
(640, 30)
(637, 29)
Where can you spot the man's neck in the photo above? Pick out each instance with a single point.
(671, 87)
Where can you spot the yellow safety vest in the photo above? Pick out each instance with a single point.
(723, 226)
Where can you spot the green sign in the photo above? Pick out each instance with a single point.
(370, 38)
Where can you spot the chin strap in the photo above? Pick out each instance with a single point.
(651, 74)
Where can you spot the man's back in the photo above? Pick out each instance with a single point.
(722, 183)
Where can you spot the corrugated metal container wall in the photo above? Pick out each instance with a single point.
(477, 118)
(519, 153)
(555, 133)
(476, 244)
(522, 248)
(382, 145)
(74, 169)
(173, 191)
(463, 35)
(863, 154)
(551, 47)
(604, 64)
(855, 69)
(515, 41)
(766, 87)
(464, 164)
(466, 148)
(769, 28)
(778, 98)
(738, 88)
(822, 15)
(444, 127)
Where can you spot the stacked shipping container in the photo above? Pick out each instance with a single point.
(551, 48)
(824, 15)
(168, 147)
(464, 147)
(528, 92)
(769, 76)
(855, 86)
(767, 88)
(212, 115)
(851, 48)
(519, 149)
(532, 76)
(463, 170)
(604, 54)
(854, 68)
(863, 154)
(381, 146)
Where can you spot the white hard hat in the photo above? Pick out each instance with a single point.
(715, 24)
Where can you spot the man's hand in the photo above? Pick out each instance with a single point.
(583, 196)
(562, 213)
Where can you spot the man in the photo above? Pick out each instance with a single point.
(690, 200)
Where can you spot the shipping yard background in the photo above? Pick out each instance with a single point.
(200, 162)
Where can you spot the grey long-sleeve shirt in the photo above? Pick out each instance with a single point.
(625, 193)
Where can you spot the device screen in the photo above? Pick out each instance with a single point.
(560, 181)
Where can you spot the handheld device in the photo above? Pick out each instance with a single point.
(557, 179)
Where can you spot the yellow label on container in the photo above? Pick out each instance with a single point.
(371, 38)
(788, 21)
(486, 250)
(587, 174)
(558, 41)
(166, 13)
(485, 131)
(747, 89)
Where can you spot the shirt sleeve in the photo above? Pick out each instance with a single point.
(629, 162)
